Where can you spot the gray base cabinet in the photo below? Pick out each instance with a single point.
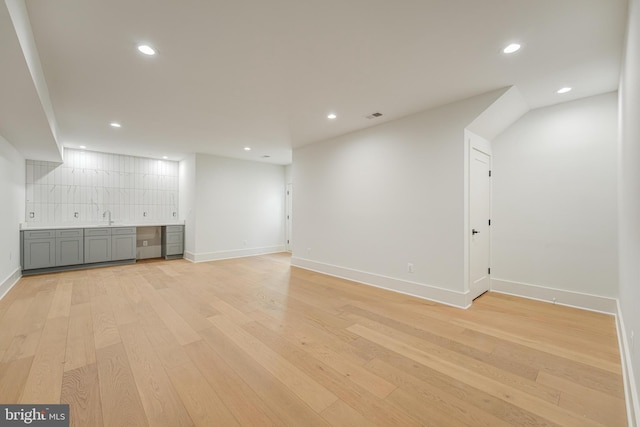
(123, 243)
(52, 248)
(173, 241)
(69, 247)
(62, 249)
(97, 245)
(39, 249)
(109, 244)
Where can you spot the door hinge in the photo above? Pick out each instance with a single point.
(287, 242)
(489, 222)
(489, 270)
(489, 173)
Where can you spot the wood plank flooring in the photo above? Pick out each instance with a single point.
(255, 342)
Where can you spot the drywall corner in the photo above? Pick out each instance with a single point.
(632, 399)
(501, 114)
(187, 200)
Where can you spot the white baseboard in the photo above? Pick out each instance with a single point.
(419, 290)
(9, 282)
(630, 387)
(239, 253)
(556, 296)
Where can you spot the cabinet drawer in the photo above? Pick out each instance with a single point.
(174, 238)
(174, 249)
(123, 230)
(175, 228)
(39, 234)
(97, 232)
(71, 232)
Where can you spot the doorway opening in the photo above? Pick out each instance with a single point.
(479, 216)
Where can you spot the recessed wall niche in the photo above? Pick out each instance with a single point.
(88, 185)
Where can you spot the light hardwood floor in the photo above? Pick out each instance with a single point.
(254, 342)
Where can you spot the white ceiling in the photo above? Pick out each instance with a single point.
(265, 74)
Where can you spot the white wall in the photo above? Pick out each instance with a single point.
(554, 213)
(239, 208)
(368, 203)
(12, 193)
(630, 196)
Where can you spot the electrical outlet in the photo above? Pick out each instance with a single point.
(145, 243)
(75, 214)
(554, 300)
(175, 214)
(410, 268)
(144, 214)
(32, 214)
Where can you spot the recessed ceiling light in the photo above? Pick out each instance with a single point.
(331, 116)
(115, 125)
(146, 49)
(83, 147)
(165, 157)
(513, 47)
(564, 90)
(247, 148)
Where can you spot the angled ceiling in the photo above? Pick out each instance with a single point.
(265, 74)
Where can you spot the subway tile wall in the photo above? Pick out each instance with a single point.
(88, 184)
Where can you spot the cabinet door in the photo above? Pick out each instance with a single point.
(69, 251)
(39, 253)
(97, 249)
(123, 247)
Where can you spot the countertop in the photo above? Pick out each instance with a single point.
(29, 226)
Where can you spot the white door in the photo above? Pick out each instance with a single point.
(480, 214)
(288, 212)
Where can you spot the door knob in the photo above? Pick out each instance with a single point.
(474, 232)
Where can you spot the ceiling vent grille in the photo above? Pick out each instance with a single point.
(374, 116)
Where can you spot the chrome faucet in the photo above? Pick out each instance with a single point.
(105, 214)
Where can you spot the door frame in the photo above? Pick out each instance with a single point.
(474, 141)
(288, 217)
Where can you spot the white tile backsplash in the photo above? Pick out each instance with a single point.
(87, 184)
